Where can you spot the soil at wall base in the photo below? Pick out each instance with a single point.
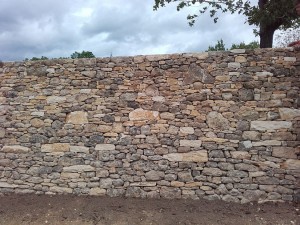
(87, 210)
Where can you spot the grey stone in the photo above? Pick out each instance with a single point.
(212, 172)
(216, 154)
(215, 120)
(270, 125)
(246, 95)
(185, 176)
(154, 175)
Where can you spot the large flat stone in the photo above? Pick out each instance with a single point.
(105, 147)
(55, 99)
(288, 113)
(79, 149)
(215, 120)
(77, 117)
(141, 114)
(78, 168)
(56, 147)
(266, 143)
(195, 156)
(190, 143)
(14, 149)
(270, 125)
(61, 190)
(291, 164)
(284, 152)
(7, 185)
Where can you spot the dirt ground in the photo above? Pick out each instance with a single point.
(84, 210)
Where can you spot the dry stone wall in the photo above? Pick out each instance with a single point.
(217, 125)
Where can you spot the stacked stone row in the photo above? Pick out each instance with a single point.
(217, 125)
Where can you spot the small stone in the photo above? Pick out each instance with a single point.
(187, 130)
(7, 185)
(77, 117)
(240, 59)
(104, 128)
(167, 116)
(246, 167)
(251, 135)
(55, 99)
(240, 155)
(216, 154)
(234, 65)
(97, 191)
(170, 192)
(212, 172)
(196, 97)
(154, 175)
(128, 96)
(2, 132)
(37, 123)
(246, 94)
(185, 176)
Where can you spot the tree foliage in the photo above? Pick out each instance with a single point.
(220, 46)
(267, 15)
(83, 54)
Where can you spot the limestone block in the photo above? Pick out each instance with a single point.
(67, 175)
(97, 191)
(291, 164)
(14, 149)
(79, 149)
(105, 147)
(266, 143)
(78, 169)
(215, 120)
(234, 65)
(61, 190)
(251, 135)
(284, 152)
(141, 114)
(104, 128)
(187, 130)
(55, 99)
(37, 123)
(2, 132)
(56, 147)
(240, 155)
(288, 113)
(128, 96)
(154, 175)
(212, 172)
(7, 185)
(191, 143)
(77, 117)
(240, 59)
(167, 116)
(194, 156)
(238, 51)
(270, 125)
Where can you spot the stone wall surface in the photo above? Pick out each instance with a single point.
(217, 125)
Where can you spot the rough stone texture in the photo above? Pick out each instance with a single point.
(270, 125)
(218, 125)
(215, 120)
(141, 114)
(197, 156)
(56, 147)
(289, 114)
(77, 117)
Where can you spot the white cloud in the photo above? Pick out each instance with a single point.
(55, 28)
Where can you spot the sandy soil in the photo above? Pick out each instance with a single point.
(84, 210)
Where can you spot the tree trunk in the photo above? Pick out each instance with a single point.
(266, 37)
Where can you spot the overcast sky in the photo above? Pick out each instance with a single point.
(57, 28)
